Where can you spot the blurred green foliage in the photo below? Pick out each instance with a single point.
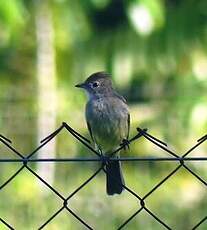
(156, 51)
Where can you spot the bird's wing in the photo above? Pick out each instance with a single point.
(120, 97)
(128, 123)
(128, 118)
(90, 131)
(97, 148)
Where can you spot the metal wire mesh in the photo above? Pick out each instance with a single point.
(141, 206)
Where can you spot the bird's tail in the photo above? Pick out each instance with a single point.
(114, 178)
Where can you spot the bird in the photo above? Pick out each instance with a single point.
(108, 121)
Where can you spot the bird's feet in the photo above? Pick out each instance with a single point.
(125, 143)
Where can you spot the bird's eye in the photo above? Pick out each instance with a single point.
(95, 84)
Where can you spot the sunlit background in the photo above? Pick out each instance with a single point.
(156, 52)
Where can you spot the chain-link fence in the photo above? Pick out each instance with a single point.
(141, 206)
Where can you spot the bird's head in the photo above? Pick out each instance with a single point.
(97, 84)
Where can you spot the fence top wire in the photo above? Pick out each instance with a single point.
(91, 159)
(173, 157)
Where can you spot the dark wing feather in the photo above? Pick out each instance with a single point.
(128, 118)
(90, 131)
(120, 97)
(128, 121)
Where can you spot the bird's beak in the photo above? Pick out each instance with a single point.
(82, 85)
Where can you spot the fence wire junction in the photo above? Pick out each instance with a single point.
(99, 158)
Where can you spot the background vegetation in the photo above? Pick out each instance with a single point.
(156, 51)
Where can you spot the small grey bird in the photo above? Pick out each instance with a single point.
(108, 121)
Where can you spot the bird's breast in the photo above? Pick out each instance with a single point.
(108, 121)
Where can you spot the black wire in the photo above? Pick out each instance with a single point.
(91, 159)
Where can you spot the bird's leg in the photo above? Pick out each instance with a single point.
(125, 143)
(104, 158)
